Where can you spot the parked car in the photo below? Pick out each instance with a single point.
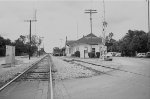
(112, 53)
(148, 55)
(141, 55)
(118, 54)
(108, 57)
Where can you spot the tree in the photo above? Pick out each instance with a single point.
(148, 43)
(22, 44)
(3, 43)
(109, 42)
(132, 42)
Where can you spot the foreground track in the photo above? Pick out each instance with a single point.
(112, 68)
(35, 83)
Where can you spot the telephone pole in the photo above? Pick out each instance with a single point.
(104, 24)
(30, 21)
(90, 11)
(42, 41)
(104, 31)
(148, 34)
(148, 16)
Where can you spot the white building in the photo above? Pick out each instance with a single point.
(86, 44)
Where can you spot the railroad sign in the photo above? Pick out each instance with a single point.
(10, 55)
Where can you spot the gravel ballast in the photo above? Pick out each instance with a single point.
(65, 70)
(69, 68)
(7, 73)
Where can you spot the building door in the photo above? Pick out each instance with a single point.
(86, 52)
(93, 50)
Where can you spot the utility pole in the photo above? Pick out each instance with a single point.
(77, 30)
(90, 11)
(148, 34)
(66, 45)
(148, 17)
(30, 21)
(104, 30)
(43, 42)
(104, 23)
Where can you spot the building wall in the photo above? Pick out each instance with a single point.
(67, 51)
(84, 49)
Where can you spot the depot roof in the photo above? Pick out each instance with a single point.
(90, 39)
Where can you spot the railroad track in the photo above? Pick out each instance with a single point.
(108, 67)
(38, 78)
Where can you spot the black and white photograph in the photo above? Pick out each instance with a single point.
(74, 49)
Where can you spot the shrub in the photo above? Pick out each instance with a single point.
(97, 54)
(77, 53)
(91, 54)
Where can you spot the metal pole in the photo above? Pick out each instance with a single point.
(148, 34)
(30, 41)
(148, 18)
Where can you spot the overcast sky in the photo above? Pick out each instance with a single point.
(60, 18)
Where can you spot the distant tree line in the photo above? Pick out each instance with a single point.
(21, 45)
(133, 42)
(3, 43)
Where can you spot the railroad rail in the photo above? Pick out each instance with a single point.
(38, 71)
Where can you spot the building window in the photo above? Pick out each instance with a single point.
(93, 50)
